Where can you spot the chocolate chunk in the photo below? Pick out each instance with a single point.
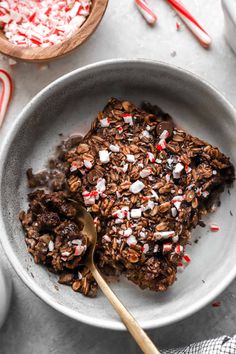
(165, 126)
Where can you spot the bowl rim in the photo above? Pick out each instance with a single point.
(36, 289)
(59, 50)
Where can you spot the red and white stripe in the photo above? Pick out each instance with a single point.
(202, 36)
(146, 11)
(6, 93)
(214, 227)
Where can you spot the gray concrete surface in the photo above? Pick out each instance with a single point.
(34, 328)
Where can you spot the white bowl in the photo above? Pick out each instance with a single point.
(229, 8)
(69, 105)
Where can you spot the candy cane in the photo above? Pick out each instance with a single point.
(6, 93)
(146, 11)
(191, 23)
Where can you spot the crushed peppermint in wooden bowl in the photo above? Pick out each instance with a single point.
(41, 30)
(42, 23)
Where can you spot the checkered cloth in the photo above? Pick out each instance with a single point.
(222, 345)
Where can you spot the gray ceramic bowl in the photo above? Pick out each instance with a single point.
(67, 106)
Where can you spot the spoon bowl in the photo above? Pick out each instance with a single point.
(131, 324)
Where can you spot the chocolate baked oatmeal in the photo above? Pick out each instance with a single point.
(146, 183)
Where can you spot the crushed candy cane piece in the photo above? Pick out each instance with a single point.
(214, 227)
(128, 232)
(175, 238)
(161, 145)
(136, 213)
(179, 249)
(154, 194)
(164, 135)
(114, 148)
(143, 234)
(145, 248)
(151, 157)
(125, 168)
(178, 168)
(186, 259)
(128, 118)
(187, 169)
(106, 238)
(104, 156)
(145, 172)
(77, 242)
(174, 212)
(122, 213)
(105, 122)
(177, 200)
(178, 26)
(65, 254)
(164, 234)
(131, 240)
(145, 134)
(156, 249)
(130, 158)
(50, 246)
(167, 177)
(88, 164)
(101, 185)
(79, 250)
(180, 267)
(136, 187)
(205, 194)
(167, 247)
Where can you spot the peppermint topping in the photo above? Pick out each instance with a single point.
(214, 227)
(130, 158)
(136, 187)
(145, 248)
(50, 246)
(104, 156)
(145, 172)
(128, 119)
(105, 122)
(131, 240)
(128, 232)
(151, 157)
(136, 213)
(114, 148)
(88, 164)
(178, 168)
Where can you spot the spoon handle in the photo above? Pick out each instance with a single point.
(141, 338)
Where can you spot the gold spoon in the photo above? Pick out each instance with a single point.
(141, 338)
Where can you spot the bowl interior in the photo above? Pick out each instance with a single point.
(69, 106)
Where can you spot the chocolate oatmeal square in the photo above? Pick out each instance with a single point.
(146, 183)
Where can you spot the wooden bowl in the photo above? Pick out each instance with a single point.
(58, 50)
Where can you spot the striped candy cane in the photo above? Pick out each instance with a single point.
(191, 23)
(146, 11)
(6, 93)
